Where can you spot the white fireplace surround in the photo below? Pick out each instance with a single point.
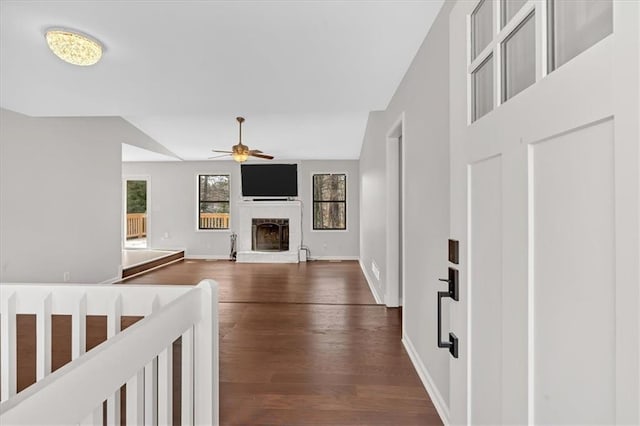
(249, 210)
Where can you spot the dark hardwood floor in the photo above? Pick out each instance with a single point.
(299, 345)
(306, 344)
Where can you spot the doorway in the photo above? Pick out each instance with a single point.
(395, 215)
(135, 213)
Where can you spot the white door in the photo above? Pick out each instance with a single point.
(545, 204)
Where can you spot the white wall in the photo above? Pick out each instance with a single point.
(173, 207)
(372, 202)
(423, 98)
(331, 244)
(60, 198)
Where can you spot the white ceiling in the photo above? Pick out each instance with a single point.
(135, 153)
(305, 74)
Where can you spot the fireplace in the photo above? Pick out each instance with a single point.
(270, 234)
(286, 218)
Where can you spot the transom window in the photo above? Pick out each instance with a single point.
(481, 27)
(482, 87)
(329, 201)
(509, 8)
(213, 201)
(574, 26)
(504, 59)
(519, 59)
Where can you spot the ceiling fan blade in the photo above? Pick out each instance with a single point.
(255, 151)
(219, 156)
(217, 150)
(265, 156)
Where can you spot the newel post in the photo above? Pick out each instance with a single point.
(206, 380)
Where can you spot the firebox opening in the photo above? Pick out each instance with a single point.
(270, 234)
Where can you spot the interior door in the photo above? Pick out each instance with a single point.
(544, 202)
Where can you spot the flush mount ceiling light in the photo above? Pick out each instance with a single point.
(73, 47)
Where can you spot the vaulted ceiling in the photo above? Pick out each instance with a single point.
(305, 74)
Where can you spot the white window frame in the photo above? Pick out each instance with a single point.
(503, 64)
(197, 199)
(539, 7)
(550, 65)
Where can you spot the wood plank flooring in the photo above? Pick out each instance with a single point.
(306, 345)
(299, 345)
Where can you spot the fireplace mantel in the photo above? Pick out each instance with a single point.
(249, 210)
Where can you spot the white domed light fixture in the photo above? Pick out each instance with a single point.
(73, 47)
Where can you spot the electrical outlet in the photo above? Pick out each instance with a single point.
(66, 277)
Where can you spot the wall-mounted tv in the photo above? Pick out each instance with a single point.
(269, 180)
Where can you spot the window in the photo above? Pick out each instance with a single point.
(576, 25)
(330, 202)
(482, 33)
(213, 202)
(481, 27)
(511, 50)
(519, 59)
(482, 86)
(509, 10)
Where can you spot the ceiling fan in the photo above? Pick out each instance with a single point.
(240, 152)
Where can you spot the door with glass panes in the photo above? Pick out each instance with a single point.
(544, 201)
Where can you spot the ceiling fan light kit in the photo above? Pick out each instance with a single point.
(240, 156)
(240, 152)
(73, 47)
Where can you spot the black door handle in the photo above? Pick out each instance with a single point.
(452, 292)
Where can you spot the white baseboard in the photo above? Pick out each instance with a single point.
(372, 287)
(207, 256)
(334, 258)
(427, 381)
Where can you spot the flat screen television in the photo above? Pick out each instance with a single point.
(269, 180)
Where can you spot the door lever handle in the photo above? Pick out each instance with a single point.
(452, 292)
(453, 284)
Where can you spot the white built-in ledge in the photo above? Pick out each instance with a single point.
(249, 210)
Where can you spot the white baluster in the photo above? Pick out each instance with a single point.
(151, 393)
(43, 338)
(8, 345)
(205, 353)
(151, 383)
(165, 386)
(79, 328)
(94, 418)
(187, 378)
(135, 399)
(113, 328)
